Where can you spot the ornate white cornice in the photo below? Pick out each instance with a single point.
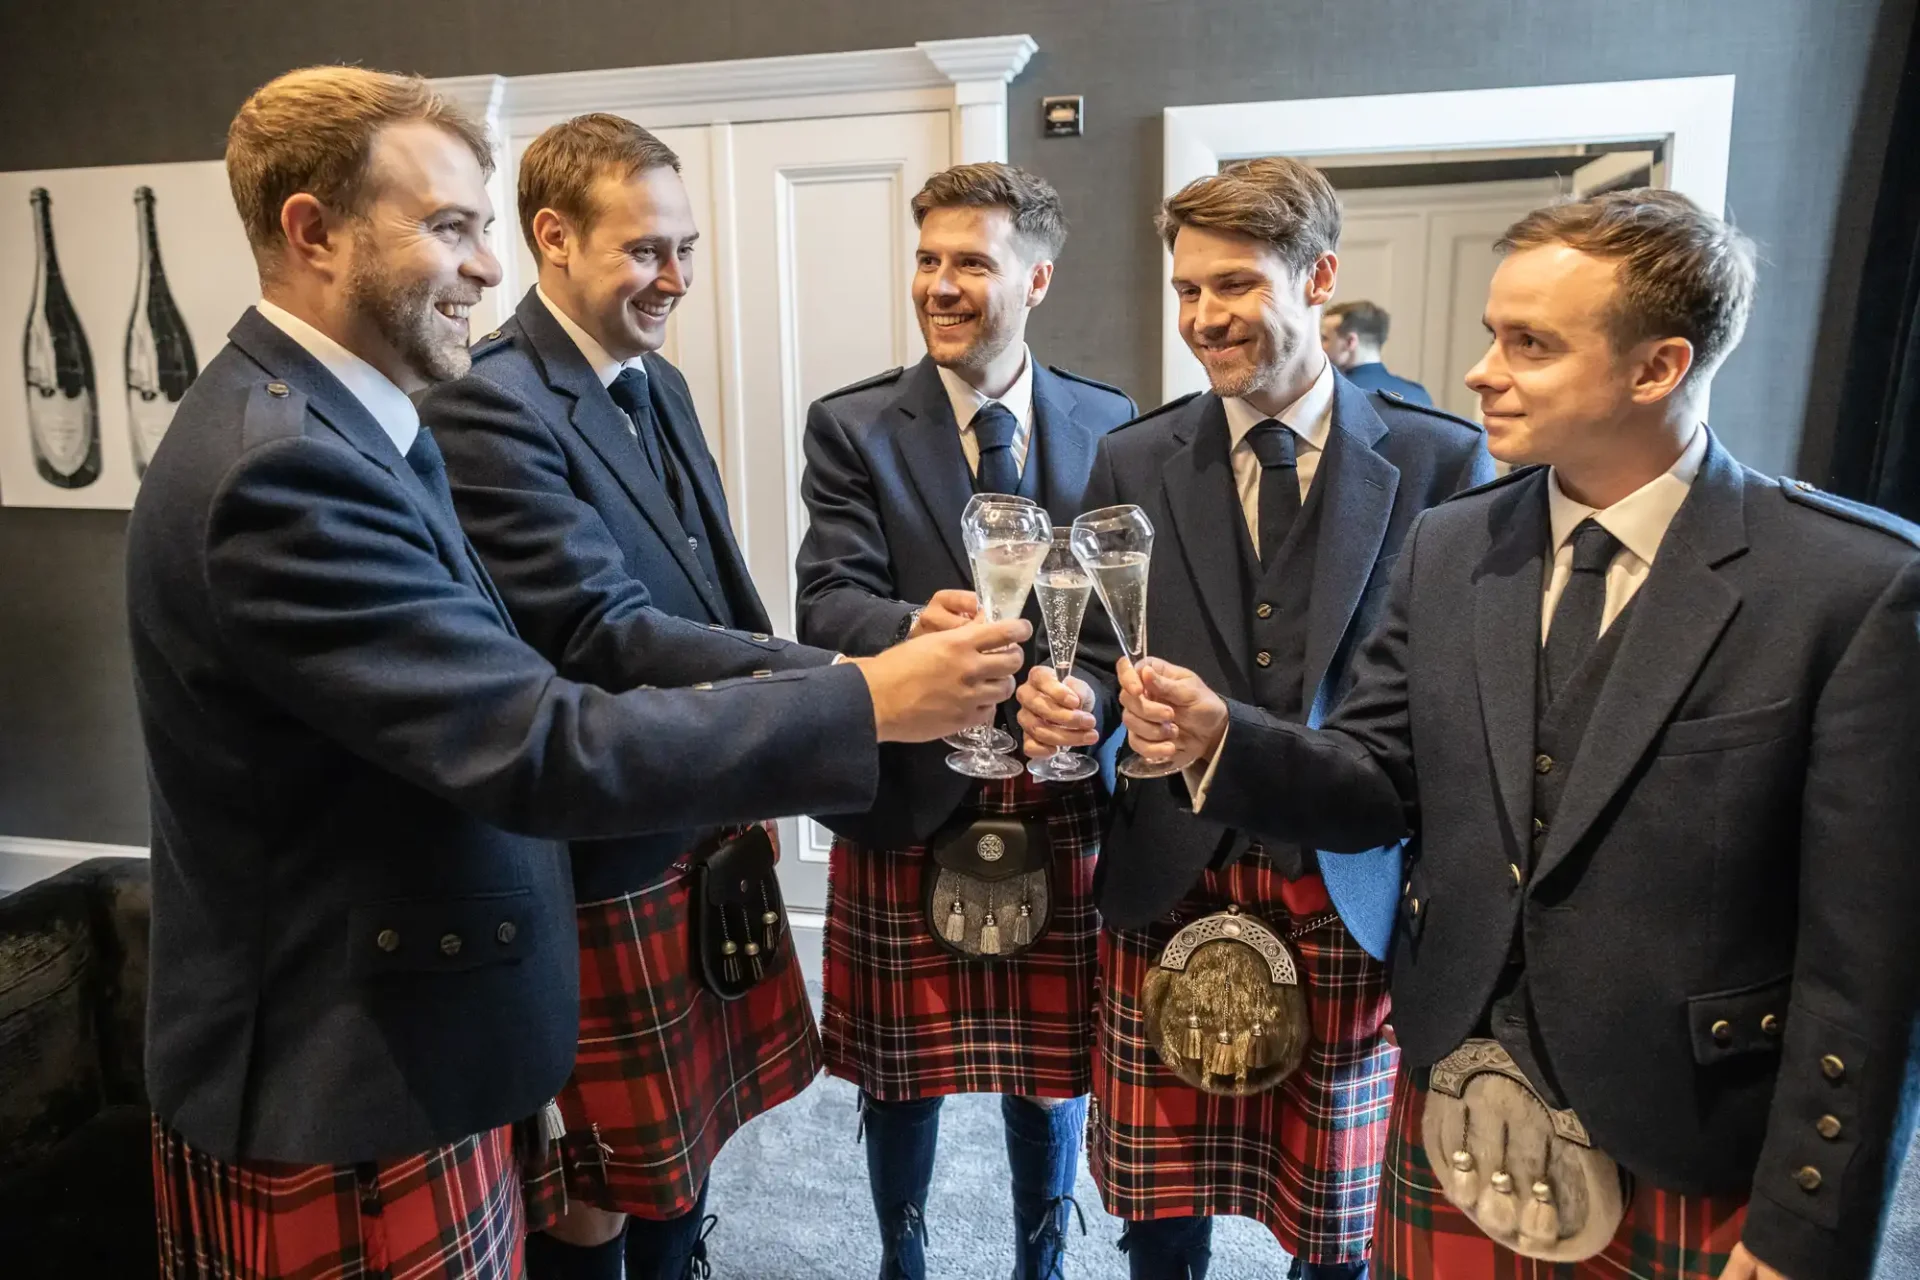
(997, 58)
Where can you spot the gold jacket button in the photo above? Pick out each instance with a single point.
(1263, 611)
(1770, 1024)
(1263, 658)
(762, 636)
(491, 336)
(1518, 879)
(387, 940)
(1414, 907)
(1722, 1032)
(506, 933)
(1808, 1178)
(279, 389)
(449, 944)
(1832, 1068)
(1543, 763)
(1828, 1127)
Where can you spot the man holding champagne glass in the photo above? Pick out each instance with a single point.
(1278, 500)
(960, 924)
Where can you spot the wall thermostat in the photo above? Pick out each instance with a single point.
(1062, 117)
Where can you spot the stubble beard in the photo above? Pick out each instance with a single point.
(402, 312)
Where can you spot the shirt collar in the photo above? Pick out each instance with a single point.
(1310, 417)
(1640, 519)
(604, 366)
(375, 391)
(967, 399)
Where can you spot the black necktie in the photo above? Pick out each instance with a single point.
(629, 392)
(1576, 618)
(430, 465)
(993, 430)
(1272, 443)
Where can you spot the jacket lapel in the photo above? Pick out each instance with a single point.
(1356, 505)
(330, 401)
(1677, 617)
(1201, 499)
(606, 431)
(1062, 447)
(929, 443)
(1507, 587)
(680, 422)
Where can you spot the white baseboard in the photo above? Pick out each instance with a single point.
(25, 859)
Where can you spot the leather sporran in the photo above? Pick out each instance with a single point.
(989, 890)
(1525, 1173)
(738, 916)
(1225, 1007)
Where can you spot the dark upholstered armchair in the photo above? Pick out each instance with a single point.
(76, 1173)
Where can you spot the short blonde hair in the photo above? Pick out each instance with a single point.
(1680, 271)
(1289, 205)
(312, 130)
(560, 167)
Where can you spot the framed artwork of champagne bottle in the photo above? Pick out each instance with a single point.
(114, 284)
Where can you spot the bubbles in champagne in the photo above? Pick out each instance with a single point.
(1063, 603)
(1003, 576)
(1121, 579)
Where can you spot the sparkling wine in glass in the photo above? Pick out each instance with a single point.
(1115, 546)
(991, 737)
(1006, 544)
(1062, 587)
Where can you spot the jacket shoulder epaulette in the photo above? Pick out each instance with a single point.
(1071, 376)
(1399, 401)
(489, 343)
(1806, 495)
(1497, 482)
(877, 380)
(1168, 407)
(275, 410)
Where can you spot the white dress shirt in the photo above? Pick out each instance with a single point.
(1638, 520)
(968, 400)
(1310, 418)
(604, 366)
(375, 391)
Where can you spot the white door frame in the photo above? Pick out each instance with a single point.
(1694, 115)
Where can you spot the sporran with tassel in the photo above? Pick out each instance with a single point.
(739, 920)
(989, 890)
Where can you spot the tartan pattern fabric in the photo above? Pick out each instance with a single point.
(1304, 1158)
(667, 1071)
(1421, 1236)
(453, 1213)
(905, 1018)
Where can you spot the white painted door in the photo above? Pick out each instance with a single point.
(820, 249)
(1426, 255)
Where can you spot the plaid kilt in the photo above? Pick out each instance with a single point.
(667, 1071)
(907, 1019)
(453, 1213)
(1422, 1236)
(1303, 1159)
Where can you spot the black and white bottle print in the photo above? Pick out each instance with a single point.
(159, 355)
(63, 406)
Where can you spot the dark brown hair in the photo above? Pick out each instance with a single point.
(1681, 272)
(312, 131)
(1289, 205)
(1365, 320)
(1030, 201)
(560, 167)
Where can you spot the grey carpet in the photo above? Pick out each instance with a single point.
(791, 1194)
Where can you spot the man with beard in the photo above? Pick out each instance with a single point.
(363, 969)
(1650, 717)
(1279, 500)
(581, 474)
(891, 465)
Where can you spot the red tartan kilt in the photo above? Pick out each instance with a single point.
(906, 1019)
(1304, 1159)
(667, 1071)
(1422, 1236)
(453, 1213)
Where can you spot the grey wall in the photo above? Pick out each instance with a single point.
(89, 82)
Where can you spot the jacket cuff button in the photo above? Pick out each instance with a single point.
(1809, 1179)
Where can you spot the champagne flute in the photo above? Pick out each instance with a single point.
(1006, 544)
(1115, 544)
(988, 736)
(1062, 586)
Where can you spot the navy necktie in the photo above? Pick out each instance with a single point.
(1272, 443)
(430, 465)
(993, 430)
(1576, 618)
(629, 392)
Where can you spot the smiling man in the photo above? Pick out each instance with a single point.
(891, 464)
(1650, 717)
(1279, 500)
